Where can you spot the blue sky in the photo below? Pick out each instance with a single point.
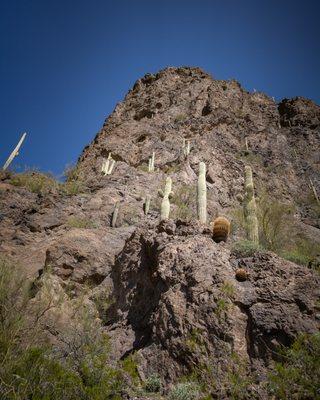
(65, 64)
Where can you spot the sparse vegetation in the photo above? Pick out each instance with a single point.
(184, 198)
(77, 367)
(245, 248)
(34, 181)
(153, 384)
(185, 391)
(297, 376)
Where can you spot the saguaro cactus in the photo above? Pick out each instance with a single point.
(202, 194)
(250, 208)
(186, 147)
(14, 153)
(115, 214)
(146, 205)
(108, 165)
(166, 195)
(151, 162)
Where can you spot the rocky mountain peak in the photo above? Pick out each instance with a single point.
(174, 297)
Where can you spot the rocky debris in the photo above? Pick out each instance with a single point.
(179, 305)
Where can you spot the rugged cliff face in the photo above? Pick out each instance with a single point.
(176, 301)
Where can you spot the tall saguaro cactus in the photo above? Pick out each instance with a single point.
(151, 162)
(250, 207)
(14, 153)
(166, 195)
(202, 194)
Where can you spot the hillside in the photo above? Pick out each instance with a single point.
(165, 292)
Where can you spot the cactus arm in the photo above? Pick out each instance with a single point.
(202, 194)
(151, 162)
(15, 152)
(250, 208)
(111, 166)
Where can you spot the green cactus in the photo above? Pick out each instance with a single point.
(166, 195)
(147, 204)
(108, 165)
(115, 214)
(151, 163)
(186, 148)
(202, 194)
(250, 208)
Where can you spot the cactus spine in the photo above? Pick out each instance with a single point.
(115, 214)
(202, 194)
(165, 204)
(151, 162)
(250, 208)
(186, 148)
(108, 165)
(147, 204)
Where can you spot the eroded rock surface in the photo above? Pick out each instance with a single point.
(175, 299)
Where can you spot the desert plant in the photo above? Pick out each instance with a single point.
(108, 165)
(249, 208)
(185, 391)
(202, 194)
(220, 229)
(14, 153)
(34, 181)
(153, 384)
(186, 148)
(184, 199)
(166, 195)
(245, 248)
(275, 222)
(151, 163)
(297, 376)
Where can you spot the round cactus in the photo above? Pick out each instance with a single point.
(220, 229)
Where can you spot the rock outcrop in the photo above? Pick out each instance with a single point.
(176, 301)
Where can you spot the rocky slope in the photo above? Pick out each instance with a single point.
(175, 300)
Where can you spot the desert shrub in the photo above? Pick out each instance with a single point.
(297, 376)
(185, 391)
(153, 384)
(303, 251)
(275, 223)
(81, 223)
(184, 198)
(34, 181)
(245, 248)
(76, 367)
(73, 184)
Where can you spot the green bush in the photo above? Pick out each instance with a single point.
(153, 384)
(245, 248)
(276, 223)
(185, 391)
(77, 367)
(35, 181)
(297, 376)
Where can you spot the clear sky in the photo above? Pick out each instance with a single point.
(66, 63)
